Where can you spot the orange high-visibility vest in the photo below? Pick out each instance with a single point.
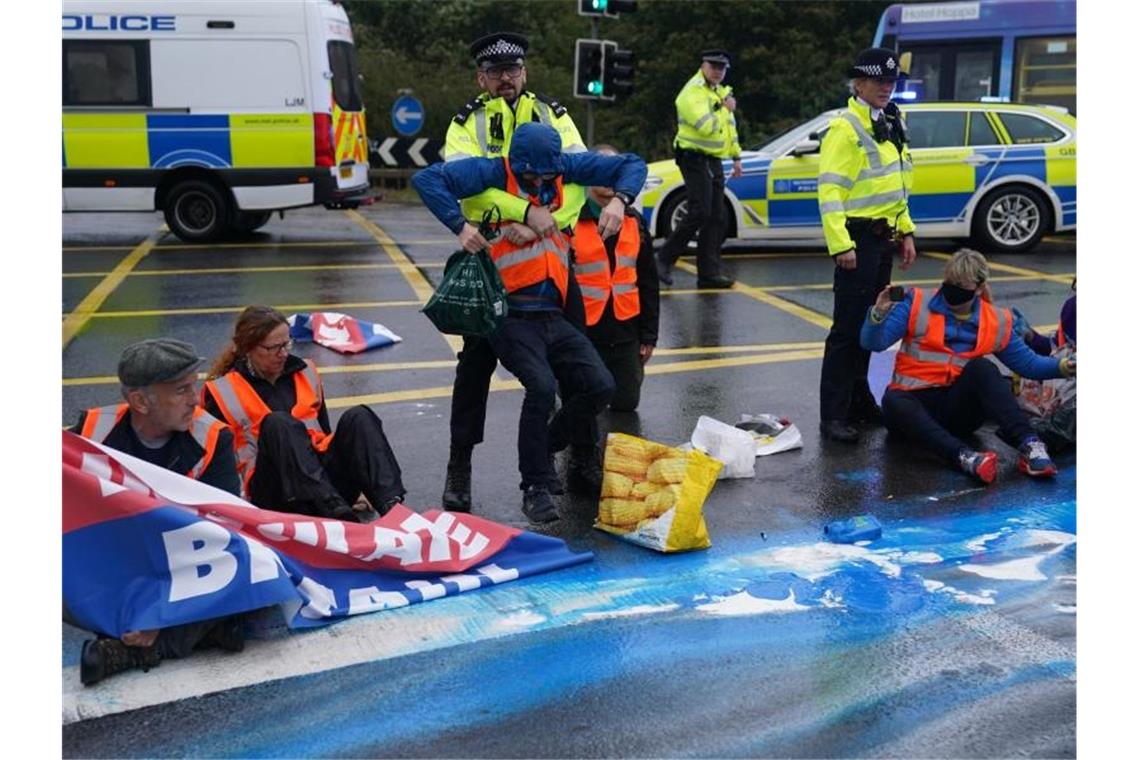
(924, 361)
(204, 427)
(244, 410)
(546, 258)
(592, 270)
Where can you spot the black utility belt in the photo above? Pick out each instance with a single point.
(682, 153)
(880, 227)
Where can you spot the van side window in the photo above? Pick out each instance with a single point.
(981, 133)
(1024, 129)
(345, 84)
(936, 129)
(106, 73)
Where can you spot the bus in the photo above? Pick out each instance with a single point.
(986, 50)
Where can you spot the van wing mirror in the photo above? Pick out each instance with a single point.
(805, 147)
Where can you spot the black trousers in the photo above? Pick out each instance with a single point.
(476, 365)
(291, 476)
(623, 360)
(843, 379)
(704, 217)
(935, 417)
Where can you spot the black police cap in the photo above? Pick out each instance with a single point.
(716, 55)
(499, 47)
(876, 62)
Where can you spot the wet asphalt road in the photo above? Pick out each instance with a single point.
(754, 349)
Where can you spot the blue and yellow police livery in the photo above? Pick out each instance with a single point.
(216, 114)
(1001, 174)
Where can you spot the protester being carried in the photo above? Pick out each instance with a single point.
(288, 458)
(160, 422)
(944, 386)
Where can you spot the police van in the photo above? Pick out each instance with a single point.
(216, 113)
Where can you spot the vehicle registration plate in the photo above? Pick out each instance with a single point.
(346, 172)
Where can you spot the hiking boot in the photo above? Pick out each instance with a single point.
(981, 464)
(457, 487)
(838, 430)
(583, 471)
(228, 634)
(106, 657)
(664, 270)
(538, 506)
(1034, 459)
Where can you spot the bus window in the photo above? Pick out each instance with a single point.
(953, 72)
(936, 129)
(981, 132)
(1025, 129)
(1046, 71)
(974, 74)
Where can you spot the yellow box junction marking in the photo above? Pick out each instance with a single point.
(761, 295)
(997, 267)
(285, 307)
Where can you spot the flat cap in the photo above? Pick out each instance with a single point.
(716, 55)
(158, 360)
(499, 47)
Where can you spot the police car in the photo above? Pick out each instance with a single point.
(999, 174)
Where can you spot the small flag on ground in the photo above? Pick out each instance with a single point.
(340, 332)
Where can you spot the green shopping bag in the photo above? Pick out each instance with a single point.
(471, 298)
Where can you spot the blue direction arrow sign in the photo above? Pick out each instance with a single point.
(407, 115)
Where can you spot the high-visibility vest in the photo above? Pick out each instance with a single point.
(204, 428)
(592, 270)
(547, 258)
(243, 410)
(924, 360)
(703, 123)
(859, 177)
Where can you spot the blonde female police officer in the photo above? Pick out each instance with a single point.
(864, 179)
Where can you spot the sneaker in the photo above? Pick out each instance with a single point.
(981, 464)
(538, 506)
(584, 472)
(1034, 459)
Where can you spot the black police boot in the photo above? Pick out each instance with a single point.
(538, 506)
(228, 634)
(838, 430)
(664, 270)
(716, 282)
(583, 471)
(457, 487)
(106, 657)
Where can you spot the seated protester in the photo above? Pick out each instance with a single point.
(618, 278)
(160, 422)
(535, 341)
(288, 459)
(944, 386)
(1051, 404)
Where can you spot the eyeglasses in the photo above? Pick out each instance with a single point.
(277, 348)
(498, 72)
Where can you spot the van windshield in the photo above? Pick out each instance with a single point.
(345, 83)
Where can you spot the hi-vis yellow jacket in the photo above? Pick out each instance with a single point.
(859, 177)
(703, 123)
(483, 129)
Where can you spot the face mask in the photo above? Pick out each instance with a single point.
(956, 296)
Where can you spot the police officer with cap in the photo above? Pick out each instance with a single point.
(865, 176)
(483, 128)
(706, 135)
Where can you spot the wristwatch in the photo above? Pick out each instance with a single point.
(624, 198)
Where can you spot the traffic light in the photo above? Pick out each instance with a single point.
(617, 72)
(592, 7)
(589, 63)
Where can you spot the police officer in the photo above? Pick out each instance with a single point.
(865, 176)
(483, 129)
(706, 134)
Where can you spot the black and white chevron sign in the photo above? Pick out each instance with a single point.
(405, 152)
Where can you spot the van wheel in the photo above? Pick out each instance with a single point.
(248, 221)
(1011, 219)
(197, 211)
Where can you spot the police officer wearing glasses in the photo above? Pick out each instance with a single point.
(865, 177)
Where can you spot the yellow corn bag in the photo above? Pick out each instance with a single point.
(653, 495)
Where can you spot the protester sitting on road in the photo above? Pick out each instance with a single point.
(160, 422)
(535, 342)
(944, 386)
(288, 459)
(1051, 405)
(618, 278)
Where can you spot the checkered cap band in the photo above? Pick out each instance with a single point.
(871, 70)
(501, 48)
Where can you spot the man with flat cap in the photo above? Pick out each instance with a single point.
(160, 422)
(706, 135)
(483, 128)
(865, 177)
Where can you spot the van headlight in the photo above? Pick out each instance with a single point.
(652, 183)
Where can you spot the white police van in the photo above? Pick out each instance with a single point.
(216, 113)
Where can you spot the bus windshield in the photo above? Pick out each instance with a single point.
(998, 50)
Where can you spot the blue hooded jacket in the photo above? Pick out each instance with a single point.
(535, 148)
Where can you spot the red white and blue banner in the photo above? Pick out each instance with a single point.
(340, 332)
(146, 548)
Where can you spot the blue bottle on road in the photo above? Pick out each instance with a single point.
(860, 528)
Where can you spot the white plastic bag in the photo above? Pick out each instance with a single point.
(772, 434)
(735, 447)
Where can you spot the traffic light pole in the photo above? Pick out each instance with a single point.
(590, 103)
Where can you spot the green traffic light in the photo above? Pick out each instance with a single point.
(595, 87)
(600, 5)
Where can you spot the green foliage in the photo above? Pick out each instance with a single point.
(788, 58)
